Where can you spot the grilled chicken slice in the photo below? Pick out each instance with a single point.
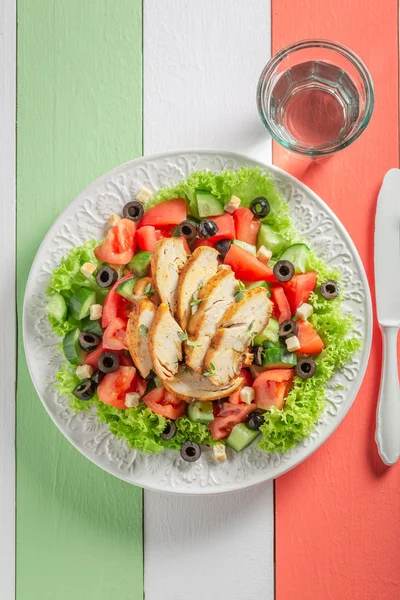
(240, 323)
(167, 262)
(144, 288)
(190, 386)
(165, 343)
(137, 335)
(202, 265)
(217, 294)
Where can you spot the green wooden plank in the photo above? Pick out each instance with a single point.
(79, 530)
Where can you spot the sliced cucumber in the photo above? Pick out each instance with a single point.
(201, 412)
(270, 333)
(298, 255)
(207, 204)
(140, 263)
(270, 239)
(279, 358)
(257, 284)
(81, 301)
(125, 288)
(72, 350)
(57, 308)
(101, 294)
(92, 326)
(241, 437)
(249, 247)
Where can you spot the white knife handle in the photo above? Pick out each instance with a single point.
(388, 414)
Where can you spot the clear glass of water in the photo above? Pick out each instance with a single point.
(315, 97)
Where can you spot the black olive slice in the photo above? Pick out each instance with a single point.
(254, 421)
(223, 247)
(133, 211)
(190, 451)
(88, 341)
(260, 207)
(169, 431)
(85, 390)
(288, 328)
(108, 362)
(258, 356)
(207, 228)
(106, 276)
(97, 377)
(188, 230)
(330, 289)
(305, 368)
(283, 270)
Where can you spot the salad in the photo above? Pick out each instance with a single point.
(202, 318)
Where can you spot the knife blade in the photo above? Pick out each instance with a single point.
(387, 286)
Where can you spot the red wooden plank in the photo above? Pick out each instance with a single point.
(338, 514)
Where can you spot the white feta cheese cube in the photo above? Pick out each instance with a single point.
(113, 220)
(292, 343)
(247, 394)
(96, 311)
(304, 311)
(219, 452)
(87, 269)
(144, 195)
(132, 399)
(84, 371)
(232, 205)
(264, 255)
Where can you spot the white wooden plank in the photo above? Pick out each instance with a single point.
(202, 60)
(7, 298)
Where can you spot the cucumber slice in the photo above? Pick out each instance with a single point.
(249, 247)
(57, 308)
(140, 263)
(270, 239)
(207, 204)
(279, 358)
(81, 301)
(201, 412)
(241, 437)
(101, 294)
(270, 333)
(298, 255)
(125, 288)
(72, 350)
(257, 284)
(92, 326)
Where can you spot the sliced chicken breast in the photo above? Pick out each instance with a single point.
(215, 297)
(240, 323)
(167, 262)
(144, 288)
(165, 343)
(190, 386)
(202, 265)
(137, 335)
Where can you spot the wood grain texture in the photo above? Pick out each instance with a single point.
(338, 514)
(7, 299)
(201, 65)
(79, 531)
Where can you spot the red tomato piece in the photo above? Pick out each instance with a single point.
(113, 303)
(281, 303)
(170, 212)
(199, 243)
(246, 225)
(93, 357)
(299, 288)
(164, 403)
(141, 386)
(272, 387)
(226, 228)
(248, 382)
(227, 415)
(310, 341)
(125, 359)
(114, 337)
(114, 386)
(247, 266)
(119, 246)
(146, 238)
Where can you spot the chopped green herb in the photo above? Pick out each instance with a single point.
(182, 335)
(148, 290)
(240, 293)
(195, 302)
(211, 371)
(143, 329)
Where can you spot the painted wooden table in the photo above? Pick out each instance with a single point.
(99, 83)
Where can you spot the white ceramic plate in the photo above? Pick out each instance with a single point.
(85, 219)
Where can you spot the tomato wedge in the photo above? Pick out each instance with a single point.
(93, 357)
(272, 387)
(114, 386)
(310, 341)
(170, 212)
(246, 266)
(281, 304)
(113, 303)
(146, 238)
(119, 246)
(199, 243)
(246, 225)
(226, 228)
(114, 337)
(226, 416)
(248, 381)
(164, 403)
(299, 288)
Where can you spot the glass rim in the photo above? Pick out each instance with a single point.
(352, 57)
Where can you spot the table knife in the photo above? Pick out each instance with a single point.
(387, 285)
